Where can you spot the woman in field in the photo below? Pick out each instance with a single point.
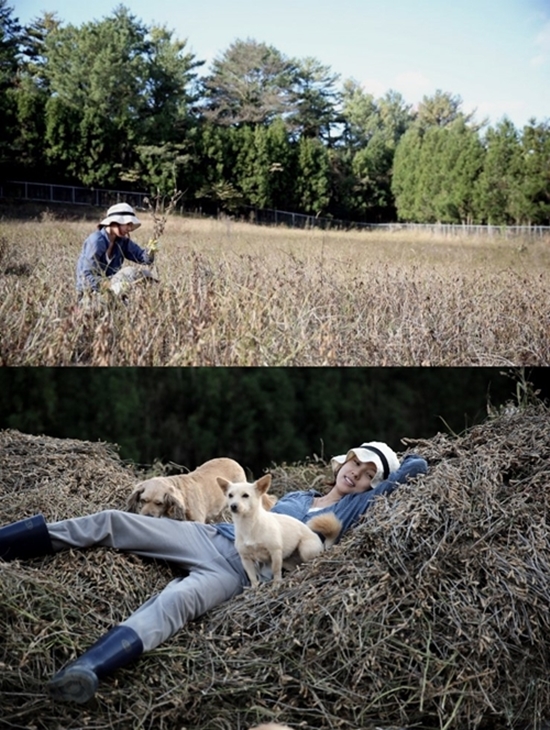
(105, 250)
(206, 552)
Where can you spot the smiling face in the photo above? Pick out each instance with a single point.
(355, 476)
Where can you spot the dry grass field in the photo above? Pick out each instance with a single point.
(237, 294)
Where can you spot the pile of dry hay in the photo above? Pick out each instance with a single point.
(433, 613)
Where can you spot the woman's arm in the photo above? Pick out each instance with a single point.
(89, 270)
(411, 466)
(350, 509)
(135, 253)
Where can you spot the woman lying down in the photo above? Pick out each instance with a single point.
(207, 552)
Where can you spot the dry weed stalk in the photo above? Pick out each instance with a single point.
(160, 210)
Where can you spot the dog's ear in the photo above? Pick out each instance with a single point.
(263, 484)
(173, 508)
(133, 500)
(224, 483)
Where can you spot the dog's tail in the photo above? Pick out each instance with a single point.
(327, 525)
(268, 501)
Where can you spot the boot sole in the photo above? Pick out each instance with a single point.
(74, 684)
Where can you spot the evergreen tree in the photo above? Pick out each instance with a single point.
(168, 127)
(31, 96)
(372, 171)
(534, 198)
(107, 80)
(94, 104)
(249, 84)
(451, 161)
(359, 115)
(264, 170)
(440, 110)
(10, 33)
(436, 165)
(282, 166)
(405, 183)
(500, 179)
(245, 174)
(313, 177)
(372, 130)
(212, 176)
(395, 116)
(431, 177)
(313, 100)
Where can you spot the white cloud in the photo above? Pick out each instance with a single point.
(375, 87)
(542, 43)
(497, 109)
(412, 84)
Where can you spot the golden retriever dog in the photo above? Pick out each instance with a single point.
(195, 496)
(268, 537)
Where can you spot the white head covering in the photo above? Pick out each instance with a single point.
(121, 213)
(380, 454)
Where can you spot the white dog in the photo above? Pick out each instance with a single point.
(194, 496)
(269, 537)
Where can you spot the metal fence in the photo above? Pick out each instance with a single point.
(300, 220)
(48, 193)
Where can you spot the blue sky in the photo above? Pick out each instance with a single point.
(494, 54)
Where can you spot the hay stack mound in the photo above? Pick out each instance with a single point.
(433, 613)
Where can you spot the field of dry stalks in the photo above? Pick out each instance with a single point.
(236, 294)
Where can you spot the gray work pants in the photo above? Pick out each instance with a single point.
(215, 571)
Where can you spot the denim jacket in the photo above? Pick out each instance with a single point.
(350, 508)
(92, 264)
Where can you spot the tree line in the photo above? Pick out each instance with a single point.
(259, 416)
(116, 103)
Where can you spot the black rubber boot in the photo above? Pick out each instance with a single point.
(78, 681)
(25, 539)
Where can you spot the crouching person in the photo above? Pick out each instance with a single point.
(206, 552)
(104, 253)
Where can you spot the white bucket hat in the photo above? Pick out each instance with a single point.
(121, 213)
(380, 454)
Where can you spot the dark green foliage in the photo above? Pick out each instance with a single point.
(10, 31)
(535, 185)
(314, 100)
(435, 173)
(114, 89)
(406, 174)
(372, 130)
(499, 183)
(312, 181)
(256, 415)
(255, 166)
